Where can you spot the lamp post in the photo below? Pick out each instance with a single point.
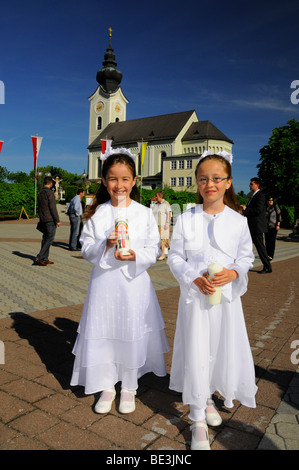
(84, 176)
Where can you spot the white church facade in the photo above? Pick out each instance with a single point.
(174, 141)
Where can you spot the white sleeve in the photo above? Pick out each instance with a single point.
(243, 262)
(147, 252)
(177, 258)
(93, 250)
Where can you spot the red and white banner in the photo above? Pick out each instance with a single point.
(36, 143)
(1, 143)
(105, 144)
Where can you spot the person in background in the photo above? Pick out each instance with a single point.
(273, 223)
(49, 220)
(75, 216)
(162, 214)
(257, 222)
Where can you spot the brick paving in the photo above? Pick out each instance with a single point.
(40, 411)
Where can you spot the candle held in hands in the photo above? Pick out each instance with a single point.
(214, 299)
(123, 241)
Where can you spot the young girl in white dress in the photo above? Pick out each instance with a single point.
(211, 348)
(121, 333)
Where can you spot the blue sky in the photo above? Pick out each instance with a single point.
(231, 61)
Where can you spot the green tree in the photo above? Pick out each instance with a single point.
(14, 196)
(66, 176)
(3, 173)
(18, 177)
(279, 167)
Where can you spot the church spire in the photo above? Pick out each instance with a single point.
(109, 77)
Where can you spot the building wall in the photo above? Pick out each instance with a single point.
(179, 171)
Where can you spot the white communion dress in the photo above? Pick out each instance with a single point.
(211, 347)
(121, 332)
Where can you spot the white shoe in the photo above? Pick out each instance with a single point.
(200, 445)
(105, 402)
(214, 418)
(127, 406)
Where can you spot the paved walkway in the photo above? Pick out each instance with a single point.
(40, 308)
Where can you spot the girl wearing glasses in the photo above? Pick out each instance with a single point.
(211, 349)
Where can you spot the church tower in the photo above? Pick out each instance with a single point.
(107, 104)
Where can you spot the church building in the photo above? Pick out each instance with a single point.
(174, 141)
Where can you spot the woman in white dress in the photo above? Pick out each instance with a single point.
(121, 333)
(211, 347)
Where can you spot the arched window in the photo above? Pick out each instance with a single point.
(99, 125)
(162, 155)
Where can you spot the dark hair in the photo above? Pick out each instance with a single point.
(80, 190)
(48, 179)
(256, 180)
(230, 198)
(102, 194)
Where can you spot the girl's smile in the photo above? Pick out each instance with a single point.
(119, 182)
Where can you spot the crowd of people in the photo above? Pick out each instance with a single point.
(122, 337)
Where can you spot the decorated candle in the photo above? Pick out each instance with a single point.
(123, 241)
(214, 299)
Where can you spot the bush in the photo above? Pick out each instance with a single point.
(70, 192)
(14, 196)
(288, 216)
(181, 198)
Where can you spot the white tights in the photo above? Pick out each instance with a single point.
(197, 414)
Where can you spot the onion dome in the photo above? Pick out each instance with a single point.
(109, 77)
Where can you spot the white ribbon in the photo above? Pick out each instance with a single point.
(112, 151)
(227, 156)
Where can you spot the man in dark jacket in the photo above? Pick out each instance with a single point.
(257, 222)
(49, 220)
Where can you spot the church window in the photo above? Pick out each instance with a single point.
(99, 125)
(160, 162)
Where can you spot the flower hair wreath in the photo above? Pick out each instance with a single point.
(227, 156)
(112, 151)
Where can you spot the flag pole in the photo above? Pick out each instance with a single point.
(35, 180)
(36, 143)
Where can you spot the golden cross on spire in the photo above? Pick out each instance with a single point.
(110, 32)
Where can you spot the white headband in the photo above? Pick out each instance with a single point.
(112, 151)
(225, 155)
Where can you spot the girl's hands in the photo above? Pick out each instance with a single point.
(207, 286)
(111, 240)
(224, 277)
(204, 285)
(120, 256)
(111, 243)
